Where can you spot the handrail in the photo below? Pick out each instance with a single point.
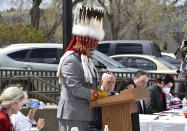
(43, 97)
(35, 78)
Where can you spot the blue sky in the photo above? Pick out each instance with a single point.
(6, 4)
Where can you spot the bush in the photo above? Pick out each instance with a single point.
(20, 34)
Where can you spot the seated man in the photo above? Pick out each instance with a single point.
(141, 79)
(108, 82)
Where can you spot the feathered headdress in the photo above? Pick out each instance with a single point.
(88, 22)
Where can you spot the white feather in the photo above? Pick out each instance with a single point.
(89, 31)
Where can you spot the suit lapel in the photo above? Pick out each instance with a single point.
(140, 110)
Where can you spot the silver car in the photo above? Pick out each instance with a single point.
(46, 56)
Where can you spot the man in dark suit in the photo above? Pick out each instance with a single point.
(141, 107)
(141, 79)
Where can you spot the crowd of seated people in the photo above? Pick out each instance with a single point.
(160, 96)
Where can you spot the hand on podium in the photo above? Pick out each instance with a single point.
(108, 93)
(100, 90)
(95, 95)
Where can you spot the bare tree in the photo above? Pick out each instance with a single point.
(1, 20)
(35, 13)
(113, 14)
(138, 17)
(59, 19)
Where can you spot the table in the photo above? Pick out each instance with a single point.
(162, 123)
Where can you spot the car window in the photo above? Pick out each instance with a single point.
(128, 48)
(106, 60)
(97, 64)
(19, 55)
(118, 59)
(140, 63)
(104, 48)
(43, 55)
(165, 62)
(59, 55)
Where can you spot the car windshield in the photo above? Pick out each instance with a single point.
(171, 66)
(110, 62)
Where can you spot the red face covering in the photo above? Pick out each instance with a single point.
(82, 44)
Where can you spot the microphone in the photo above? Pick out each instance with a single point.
(112, 93)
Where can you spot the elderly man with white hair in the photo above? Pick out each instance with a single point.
(108, 82)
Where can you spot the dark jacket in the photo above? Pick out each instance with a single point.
(153, 102)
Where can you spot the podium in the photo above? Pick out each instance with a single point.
(116, 110)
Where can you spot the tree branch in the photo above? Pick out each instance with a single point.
(106, 13)
(54, 27)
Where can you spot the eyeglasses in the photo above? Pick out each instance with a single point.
(109, 73)
(21, 103)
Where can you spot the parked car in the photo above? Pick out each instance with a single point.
(168, 55)
(46, 57)
(171, 58)
(118, 47)
(149, 63)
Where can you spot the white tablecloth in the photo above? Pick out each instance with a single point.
(165, 123)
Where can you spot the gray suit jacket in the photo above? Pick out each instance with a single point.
(75, 92)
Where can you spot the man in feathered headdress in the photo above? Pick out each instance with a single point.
(77, 75)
